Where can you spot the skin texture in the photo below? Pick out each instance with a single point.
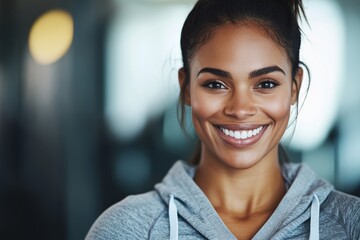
(241, 80)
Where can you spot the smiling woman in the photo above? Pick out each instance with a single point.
(232, 93)
(241, 74)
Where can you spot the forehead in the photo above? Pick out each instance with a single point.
(245, 46)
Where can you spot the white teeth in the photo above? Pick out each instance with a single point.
(244, 134)
(237, 134)
(249, 134)
(231, 133)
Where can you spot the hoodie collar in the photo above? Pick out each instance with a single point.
(192, 204)
(293, 210)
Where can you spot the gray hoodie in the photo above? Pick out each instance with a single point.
(177, 208)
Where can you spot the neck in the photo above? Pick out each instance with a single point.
(243, 192)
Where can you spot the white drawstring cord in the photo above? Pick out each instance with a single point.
(173, 218)
(314, 219)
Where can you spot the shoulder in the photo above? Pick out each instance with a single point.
(342, 202)
(345, 209)
(130, 218)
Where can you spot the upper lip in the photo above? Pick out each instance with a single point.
(239, 127)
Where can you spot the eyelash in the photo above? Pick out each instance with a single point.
(219, 85)
(267, 82)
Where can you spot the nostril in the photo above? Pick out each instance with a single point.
(240, 110)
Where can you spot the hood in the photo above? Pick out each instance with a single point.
(306, 192)
(185, 199)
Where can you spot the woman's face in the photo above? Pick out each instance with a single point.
(240, 92)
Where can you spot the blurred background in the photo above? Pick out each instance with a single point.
(88, 96)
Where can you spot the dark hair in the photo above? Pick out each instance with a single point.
(278, 19)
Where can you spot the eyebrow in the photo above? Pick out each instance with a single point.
(215, 71)
(266, 70)
(253, 74)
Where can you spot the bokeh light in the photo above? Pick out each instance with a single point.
(51, 36)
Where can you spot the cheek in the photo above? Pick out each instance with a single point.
(278, 108)
(203, 105)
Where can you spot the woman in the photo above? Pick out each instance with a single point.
(241, 74)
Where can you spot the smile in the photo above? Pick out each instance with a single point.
(242, 134)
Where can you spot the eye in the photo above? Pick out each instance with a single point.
(215, 85)
(268, 84)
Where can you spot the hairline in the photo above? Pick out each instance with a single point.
(265, 28)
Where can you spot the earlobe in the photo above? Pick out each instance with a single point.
(296, 86)
(184, 87)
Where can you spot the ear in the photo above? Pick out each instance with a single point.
(296, 86)
(184, 87)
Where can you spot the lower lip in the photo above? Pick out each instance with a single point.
(241, 143)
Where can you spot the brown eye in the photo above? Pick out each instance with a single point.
(215, 85)
(267, 85)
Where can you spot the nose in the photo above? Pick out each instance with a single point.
(240, 105)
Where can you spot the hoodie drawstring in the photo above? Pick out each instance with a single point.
(173, 218)
(314, 219)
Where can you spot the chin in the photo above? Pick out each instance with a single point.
(240, 162)
(247, 159)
